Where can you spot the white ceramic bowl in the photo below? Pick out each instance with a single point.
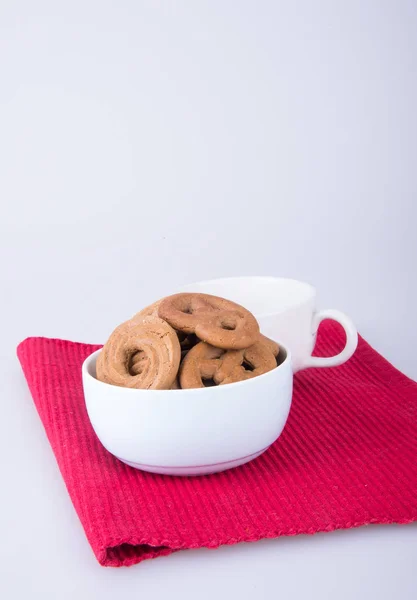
(189, 432)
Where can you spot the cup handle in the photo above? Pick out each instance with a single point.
(351, 340)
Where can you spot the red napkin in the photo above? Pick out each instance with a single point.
(347, 457)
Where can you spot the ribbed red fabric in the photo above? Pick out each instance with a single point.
(347, 457)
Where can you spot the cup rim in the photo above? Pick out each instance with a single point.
(271, 278)
(134, 391)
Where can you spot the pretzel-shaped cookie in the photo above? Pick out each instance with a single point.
(219, 322)
(205, 362)
(143, 353)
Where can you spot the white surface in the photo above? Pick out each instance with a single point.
(132, 134)
(286, 310)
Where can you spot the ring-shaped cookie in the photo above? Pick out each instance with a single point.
(143, 353)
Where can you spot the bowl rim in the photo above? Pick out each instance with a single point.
(134, 391)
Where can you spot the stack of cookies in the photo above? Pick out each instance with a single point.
(186, 341)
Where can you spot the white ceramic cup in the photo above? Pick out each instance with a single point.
(286, 310)
(193, 431)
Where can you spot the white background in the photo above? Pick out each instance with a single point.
(146, 144)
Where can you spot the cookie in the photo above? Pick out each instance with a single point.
(205, 362)
(217, 321)
(141, 353)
